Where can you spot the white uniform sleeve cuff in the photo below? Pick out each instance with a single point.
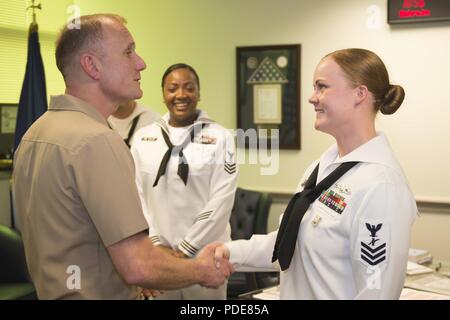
(155, 240)
(187, 248)
(236, 254)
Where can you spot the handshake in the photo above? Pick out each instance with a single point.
(211, 267)
(218, 255)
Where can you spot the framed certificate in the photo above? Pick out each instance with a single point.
(267, 107)
(268, 94)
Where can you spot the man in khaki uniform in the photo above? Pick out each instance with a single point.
(84, 231)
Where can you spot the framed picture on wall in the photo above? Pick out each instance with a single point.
(268, 95)
(8, 114)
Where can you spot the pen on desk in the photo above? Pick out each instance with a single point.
(438, 267)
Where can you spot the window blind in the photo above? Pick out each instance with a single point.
(14, 26)
(13, 49)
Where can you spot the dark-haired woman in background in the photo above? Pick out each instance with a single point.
(346, 232)
(186, 175)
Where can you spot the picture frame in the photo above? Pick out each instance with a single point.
(8, 116)
(268, 94)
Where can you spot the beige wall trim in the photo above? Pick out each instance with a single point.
(278, 197)
(435, 207)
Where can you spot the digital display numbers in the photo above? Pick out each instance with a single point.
(404, 11)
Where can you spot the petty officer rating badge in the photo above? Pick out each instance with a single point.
(373, 249)
(230, 164)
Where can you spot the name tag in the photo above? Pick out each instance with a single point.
(150, 139)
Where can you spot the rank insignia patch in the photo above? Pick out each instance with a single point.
(230, 168)
(230, 164)
(333, 200)
(373, 243)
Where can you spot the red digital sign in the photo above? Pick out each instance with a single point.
(403, 11)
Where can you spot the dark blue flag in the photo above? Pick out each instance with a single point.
(33, 98)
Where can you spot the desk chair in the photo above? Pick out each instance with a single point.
(15, 282)
(249, 216)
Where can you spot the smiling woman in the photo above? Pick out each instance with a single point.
(345, 234)
(190, 159)
(181, 91)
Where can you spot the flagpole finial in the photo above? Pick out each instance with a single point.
(34, 7)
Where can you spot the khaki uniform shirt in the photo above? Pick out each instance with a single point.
(75, 195)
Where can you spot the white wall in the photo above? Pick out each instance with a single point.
(431, 232)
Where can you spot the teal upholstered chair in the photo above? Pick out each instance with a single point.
(15, 282)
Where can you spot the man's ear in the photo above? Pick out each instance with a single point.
(361, 93)
(91, 65)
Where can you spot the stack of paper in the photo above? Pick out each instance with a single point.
(419, 256)
(411, 294)
(431, 283)
(414, 268)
